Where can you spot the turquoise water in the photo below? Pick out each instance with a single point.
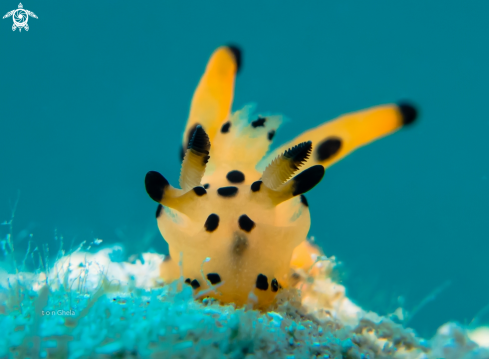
(95, 94)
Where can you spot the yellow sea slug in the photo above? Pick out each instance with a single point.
(240, 212)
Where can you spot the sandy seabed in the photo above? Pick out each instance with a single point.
(91, 305)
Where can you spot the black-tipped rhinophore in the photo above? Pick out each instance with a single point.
(328, 148)
(299, 153)
(408, 111)
(307, 179)
(155, 185)
(190, 134)
(200, 142)
(237, 55)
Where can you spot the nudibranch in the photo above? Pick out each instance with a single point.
(240, 212)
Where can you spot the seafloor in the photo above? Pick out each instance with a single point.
(93, 305)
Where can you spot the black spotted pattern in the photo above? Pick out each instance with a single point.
(255, 186)
(235, 176)
(274, 285)
(212, 222)
(227, 191)
(225, 127)
(206, 186)
(200, 191)
(214, 278)
(195, 284)
(328, 148)
(271, 134)
(260, 122)
(262, 282)
(188, 281)
(245, 223)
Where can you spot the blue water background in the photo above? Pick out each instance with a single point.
(97, 93)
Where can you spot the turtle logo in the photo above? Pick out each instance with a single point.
(20, 17)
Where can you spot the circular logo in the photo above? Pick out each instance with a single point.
(20, 17)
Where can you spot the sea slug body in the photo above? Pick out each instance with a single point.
(240, 206)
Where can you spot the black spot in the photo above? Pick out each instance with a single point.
(167, 258)
(240, 244)
(225, 127)
(195, 284)
(212, 222)
(200, 191)
(188, 281)
(260, 122)
(304, 200)
(155, 185)
(299, 153)
(214, 278)
(409, 113)
(307, 179)
(235, 176)
(271, 133)
(274, 285)
(158, 210)
(328, 148)
(255, 186)
(206, 186)
(237, 52)
(227, 191)
(190, 134)
(245, 223)
(262, 282)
